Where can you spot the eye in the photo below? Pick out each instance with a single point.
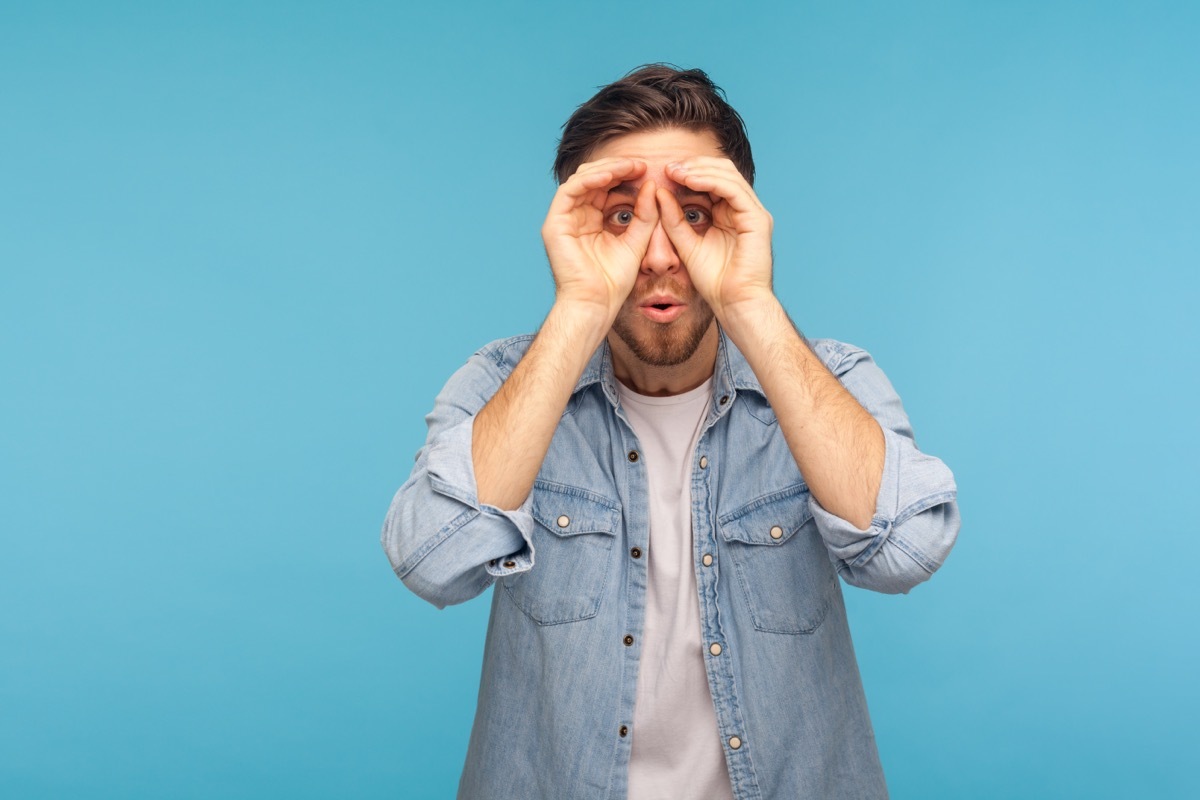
(621, 217)
(695, 216)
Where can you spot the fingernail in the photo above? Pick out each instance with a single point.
(676, 166)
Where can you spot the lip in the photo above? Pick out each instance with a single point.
(662, 314)
(660, 299)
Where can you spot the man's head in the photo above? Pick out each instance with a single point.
(654, 97)
(665, 333)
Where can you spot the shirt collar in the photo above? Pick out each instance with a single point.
(731, 373)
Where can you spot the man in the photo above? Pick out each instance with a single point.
(664, 484)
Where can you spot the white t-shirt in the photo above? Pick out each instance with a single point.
(676, 750)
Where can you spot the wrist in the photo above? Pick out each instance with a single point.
(750, 312)
(587, 319)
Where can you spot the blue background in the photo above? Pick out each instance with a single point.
(242, 247)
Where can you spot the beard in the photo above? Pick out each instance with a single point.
(664, 344)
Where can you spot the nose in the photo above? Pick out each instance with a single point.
(660, 255)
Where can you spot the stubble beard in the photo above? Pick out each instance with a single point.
(664, 344)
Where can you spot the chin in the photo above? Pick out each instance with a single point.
(663, 345)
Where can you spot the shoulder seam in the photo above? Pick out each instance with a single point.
(497, 350)
(839, 351)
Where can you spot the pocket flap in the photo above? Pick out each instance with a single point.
(770, 520)
(568, 510)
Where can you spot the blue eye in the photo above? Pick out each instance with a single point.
(622, 217)
(695, 216)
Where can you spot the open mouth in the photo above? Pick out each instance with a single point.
(662, 312)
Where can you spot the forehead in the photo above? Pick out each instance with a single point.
(659, 148)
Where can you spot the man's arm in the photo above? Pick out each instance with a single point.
(886, 511)
(513, 431)
(838, 446)
(594, 271)
(462, 519)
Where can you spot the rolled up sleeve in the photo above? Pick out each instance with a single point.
(916, 520)
(442, 542)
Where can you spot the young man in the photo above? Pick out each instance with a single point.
(664, 485)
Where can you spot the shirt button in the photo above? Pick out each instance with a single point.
(628, 640)
(636, 552)
(776, 532)
(633, 456)
(492, 563)
(715, 649)
(564, 521)
(707, 560)
(624, 731)
(734, 742)
(703, 462)
(724, 399)
(510, 564)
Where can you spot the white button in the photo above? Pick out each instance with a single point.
(735, 742)
(564, 521)
(707, 560)
(703, 462)
(776, 532)
(715, 649)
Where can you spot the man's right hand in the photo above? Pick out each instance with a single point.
(594, 257)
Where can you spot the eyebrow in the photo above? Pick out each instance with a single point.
(628, 189)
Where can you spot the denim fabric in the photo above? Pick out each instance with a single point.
(558, 685)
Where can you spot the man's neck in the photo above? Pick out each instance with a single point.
(655, 381)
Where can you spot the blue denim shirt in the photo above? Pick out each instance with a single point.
(555, 707)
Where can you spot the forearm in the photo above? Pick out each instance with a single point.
(838, 446)
(512, 432)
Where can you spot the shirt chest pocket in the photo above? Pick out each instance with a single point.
(573, 542)
(783, 570)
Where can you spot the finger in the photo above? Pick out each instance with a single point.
(713, 164)
(679, 231)
(727, 185)
(612, 162)
(645, 217)
(599, 175)
(622, 169)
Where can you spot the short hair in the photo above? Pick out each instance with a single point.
(654, 97)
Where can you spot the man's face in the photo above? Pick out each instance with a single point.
(664, 319)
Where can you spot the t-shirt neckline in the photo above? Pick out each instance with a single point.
(667, 400)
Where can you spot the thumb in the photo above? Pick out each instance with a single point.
(645, 219)
(681, 234)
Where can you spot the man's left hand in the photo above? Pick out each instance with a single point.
(728, 257)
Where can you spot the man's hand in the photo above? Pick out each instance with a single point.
(729, 256)
(595, 260)
(596, 239)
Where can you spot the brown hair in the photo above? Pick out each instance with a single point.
(653, 97)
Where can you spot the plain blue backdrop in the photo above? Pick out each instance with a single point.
(242, 246)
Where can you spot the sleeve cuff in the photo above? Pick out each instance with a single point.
(845, 540)
(452, 473)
